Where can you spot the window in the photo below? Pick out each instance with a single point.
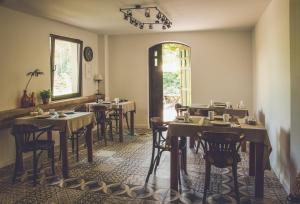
(66, 63)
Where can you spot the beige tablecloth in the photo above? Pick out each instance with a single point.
(253, 133)
(68, 124)
(126, 106)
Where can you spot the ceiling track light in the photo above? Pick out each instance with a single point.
(152, 16)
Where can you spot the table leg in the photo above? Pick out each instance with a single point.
(132, 123)
(49, 137)
(252, 159)
(244, 147)
(64, 154)
(174, 164)
(184, 155)
(259, 171)
(192, 142)
(89, 143)
(20, 162)
(120, 125)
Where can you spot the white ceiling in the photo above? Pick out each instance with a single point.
(103, 16)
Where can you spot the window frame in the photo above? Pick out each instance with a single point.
(54, 37)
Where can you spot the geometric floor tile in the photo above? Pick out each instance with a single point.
(118, 175)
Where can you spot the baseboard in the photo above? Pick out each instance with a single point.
(283, 182)
(141, 125)
(11, 162)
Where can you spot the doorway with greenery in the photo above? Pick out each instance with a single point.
(176, 77)
(169, 79)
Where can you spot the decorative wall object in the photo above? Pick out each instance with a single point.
(88, 54)
(27, 101)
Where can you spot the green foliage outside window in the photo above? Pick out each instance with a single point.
(171, 81)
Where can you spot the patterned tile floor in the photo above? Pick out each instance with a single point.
(118, 173)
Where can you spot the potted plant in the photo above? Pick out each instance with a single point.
(26, 101)
(45, 96)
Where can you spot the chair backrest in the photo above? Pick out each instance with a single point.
(158, 126)
(178, 105)
(180, 108)
(28, 133)
(100, 113)
(221, 142)
(156, 122)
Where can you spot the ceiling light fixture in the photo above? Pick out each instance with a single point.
(152, 16)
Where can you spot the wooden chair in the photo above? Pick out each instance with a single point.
(180, 108)
(159, 145)
(74, 138)
(102, 122)
(221, 149)
(27, 139)
(115, 116)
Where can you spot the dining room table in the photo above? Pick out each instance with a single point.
(65, 124)
(203, 109)
(260, 146)
(122, 109)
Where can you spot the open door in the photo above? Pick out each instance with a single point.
(169, 79)
(155, 81)
(185, 78)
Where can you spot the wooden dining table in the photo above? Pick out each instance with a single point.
(66, 126)
(202, 110)
(122, 108)
(260, 147)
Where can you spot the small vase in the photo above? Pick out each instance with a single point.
(32, 99)
(25, 100)
(45, 101)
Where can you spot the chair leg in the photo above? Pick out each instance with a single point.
(235, 179)
(34, 167)
(16, 168)
(158, 151)
(197, 148)
(126, 118)
(53, 160)
(207, 181)
(77, 148)
(72, 140)
(111, 132)
(103, 132)
(157, 159)
(151, 165)
(98, 131)
(117, 125)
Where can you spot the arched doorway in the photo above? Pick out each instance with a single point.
(169, 78)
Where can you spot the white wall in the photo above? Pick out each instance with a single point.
(221, 66)
(295, 84)
(272, 97)
(25, 46)
(24, 41)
